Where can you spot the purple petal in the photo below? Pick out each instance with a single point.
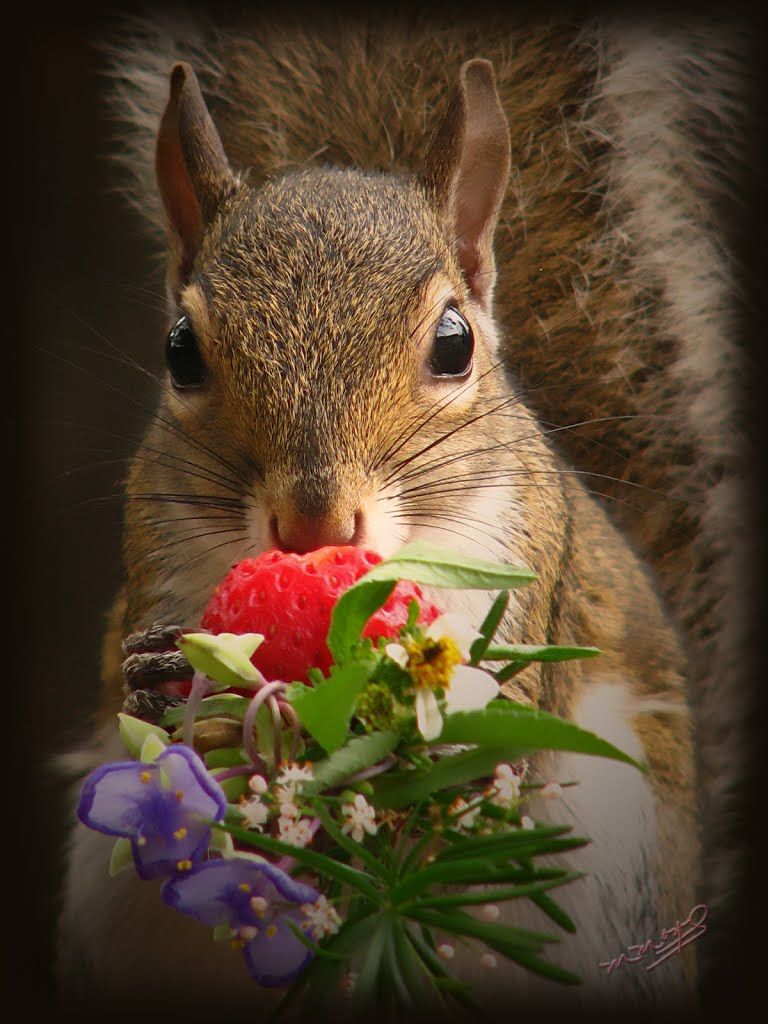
(209, 892)
(159, 855)
(188, 775)
(212, 892)
(289, 888)
(278, 959)
(112, 797)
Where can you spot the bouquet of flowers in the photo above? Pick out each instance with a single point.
(346, 829)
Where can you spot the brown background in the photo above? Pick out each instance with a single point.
(78, 267)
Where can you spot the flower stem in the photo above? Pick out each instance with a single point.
(238, 769)
(371, 772)
(249, 741)
(277, 729)
(201, 684)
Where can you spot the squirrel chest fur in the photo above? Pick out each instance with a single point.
(386, 254)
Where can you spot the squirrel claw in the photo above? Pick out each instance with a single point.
(146, 671)
(149, 705)
(152, 658)
(156, 637)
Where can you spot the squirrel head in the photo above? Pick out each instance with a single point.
(333, 341)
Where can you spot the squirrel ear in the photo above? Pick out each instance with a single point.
(466, 170)
(192, 170)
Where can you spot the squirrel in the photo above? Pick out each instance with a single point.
(446, 283)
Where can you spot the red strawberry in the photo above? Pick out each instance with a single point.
(289, 598)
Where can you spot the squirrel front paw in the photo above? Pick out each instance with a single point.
(151, 660)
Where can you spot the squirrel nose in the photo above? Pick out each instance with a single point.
(293, 531)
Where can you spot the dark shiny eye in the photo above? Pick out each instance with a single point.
(453, 347)
(182, 354)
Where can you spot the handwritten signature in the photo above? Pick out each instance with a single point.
(672, 941)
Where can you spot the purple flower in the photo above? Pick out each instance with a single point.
(164, 807)
(256, 900)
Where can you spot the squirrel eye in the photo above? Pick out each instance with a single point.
(182, 355)
(453, 347)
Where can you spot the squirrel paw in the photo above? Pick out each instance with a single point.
(151, 658)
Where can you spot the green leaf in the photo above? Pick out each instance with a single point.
(133, 732)
(234, 787)
(419, 562)
(354, 849)
(224, 705)
(325, 710)
(223, 657)
(443, 978)
(352, 611)
(490, 624)
(122, 857)
(224, 757)
(502, 937)
(151, 748)
(504, 845)
(365, 990)
(547, 970)
(361, 752)
(398, 789)
(221, 842)
(554, 911)
(522, 729)
(305, 940)
(472, 871)
(357, 880)
(538, 652)
(501, 895)
(434, 565)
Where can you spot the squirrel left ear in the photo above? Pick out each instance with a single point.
(192, 170)
(466, 171)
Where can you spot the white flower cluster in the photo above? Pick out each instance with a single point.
(292, 828)
(360, 818)
(505, 788)
(321, 918)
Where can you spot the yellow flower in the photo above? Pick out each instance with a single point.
(437, 663)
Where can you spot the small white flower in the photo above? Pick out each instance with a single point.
(397, 653)
(552, 791)
(505, 789)
(297, 833)
(289, 810)
(361, 818)
(294, 774)
(465, 821)
(257, 784)
(254, 812)
(322, 918)
(446, 951)
(247, 932)
(456, 626)
(527, 823)
(285, 794)
(490, 912)
(348, 982)
(489, 961)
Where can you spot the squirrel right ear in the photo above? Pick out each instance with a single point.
(466, 171)
(193, 173)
